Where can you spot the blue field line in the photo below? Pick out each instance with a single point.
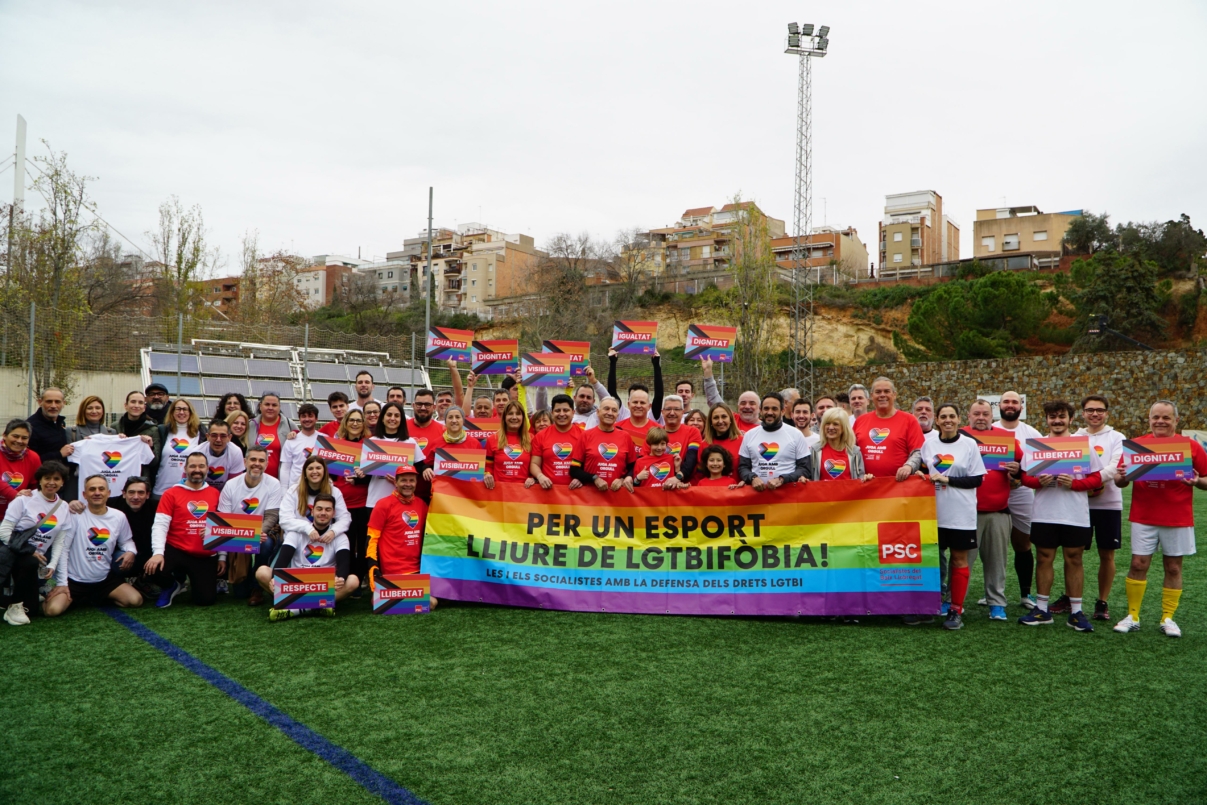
(369, 778)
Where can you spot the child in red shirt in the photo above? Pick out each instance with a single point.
(717, 465)
(654, 469)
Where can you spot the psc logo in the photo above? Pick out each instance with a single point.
(900, 543)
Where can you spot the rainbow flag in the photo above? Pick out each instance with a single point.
(1165, 458)
(635, 337)
(579, 352)
(382, 457)
(401, 594)
(464, 465)
(233, 533)
(444, 343)
(495, 357)
(710, 341)
(304, 588)
(545, 369)
(996, 448)
(1058, 455)
(341, 455)
(840, 548)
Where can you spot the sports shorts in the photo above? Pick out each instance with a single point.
(94, 593)
(957, 539)
(1107, 525)
(1059, 535)
(1174, 540)
(1020, 513)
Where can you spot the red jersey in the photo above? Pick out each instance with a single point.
(557, 451)
(1165, 503)
(426, 434)
(743, 427)
(435, 444)
(188, 508)
(660, 467)
(732, 446)
(683, 442)
(509, 464)
(396, 534)
(993, 495)
(886, 442)
(834, 465)
(638, 433)
(606, 454)
(330, 428)
(270, 441)
(356, 496)
(723, 482)
(18, 475)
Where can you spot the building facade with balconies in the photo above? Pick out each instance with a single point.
(831, 255)
(1011, 231)
(915, 232)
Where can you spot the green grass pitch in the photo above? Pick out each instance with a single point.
(489, 705)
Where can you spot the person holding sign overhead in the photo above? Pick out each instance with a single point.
(554, 448)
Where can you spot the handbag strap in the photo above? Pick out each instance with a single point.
(49, 514)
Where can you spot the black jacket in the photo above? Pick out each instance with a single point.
(47, 438)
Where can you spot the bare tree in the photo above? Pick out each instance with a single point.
(565, 284)
(632, 267)
(184, 258)
(753, 294)
(268, 292)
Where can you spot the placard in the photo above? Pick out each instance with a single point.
(482, 429)
(233, 533)
(996, 448)
(496, 357)
(1058, 455)
(710, 341)
(635, 337)
(445, 343)
(579, 352)
(304, 588)
(1165, 458)
(545, 370)
(461, 463)
(383, 458)
(342, 456)
(402, 594)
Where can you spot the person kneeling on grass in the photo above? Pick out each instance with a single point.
(46, 513)
(396, 530)
(87, 577)
(301, 550)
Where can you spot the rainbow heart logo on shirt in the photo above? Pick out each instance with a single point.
(48, 525)
(422, 442)
(314, 553)
(111, 459)
(834, 467)
(13, 479)
(410, 518)
(1098, 450)
(513, 451)
(608, 451)
(878, 435)
(98, 536)
(250, 505)
(562, 449)
(264, 440)
(944, 461)
(308, 450)
(676, 448)
(180, 445)
(198, 508)
(660, 471)
(769, 450)
(217, 472)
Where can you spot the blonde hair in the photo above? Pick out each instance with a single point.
(840, 416)
(525, 435)
(80, 419)
(230, 420)
(192, 427)
(342, 431)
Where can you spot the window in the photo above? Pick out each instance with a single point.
(473, 282)
(989, 242)
(897, 258)
(706, 251)
(473, 299)
(1042, 235)
(896, 237)
(1010, 243)
(390, 275)
(490, 282)
(380, 275)
(404, 287)
(475, 267)
(395, 288)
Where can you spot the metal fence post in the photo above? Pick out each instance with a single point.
(412, 395)
(29, 398)
(305, 358)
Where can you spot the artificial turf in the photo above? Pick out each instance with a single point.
(480, 704)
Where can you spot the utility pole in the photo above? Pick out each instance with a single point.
(427, 284)
(18, 191)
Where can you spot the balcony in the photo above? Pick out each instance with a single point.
(915, 243)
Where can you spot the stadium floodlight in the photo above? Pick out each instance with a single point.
(793, 28)
(793, 40)
(823, 43)
(808, 31)
(823, 31)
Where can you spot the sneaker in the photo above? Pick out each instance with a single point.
(325, 612)
(1036, 617)
(982, 602)
(1127, 625)
(1169, 628)
(917, 620)
(168, 595)
(1080, 622)
(15, 615)
(275, 614)
(1060, 606)
(356, 594)
(222, 586)
(944, 608)
(997, 613)
(1027, 602)
(1102, 611)
(953, 622)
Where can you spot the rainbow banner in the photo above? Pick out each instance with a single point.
(635, 337)
(579, 352)
(233, 533)
(1058, 455)
(840, 548)
(482, 429)
(464, 465)
(996, 448)
(383, 457)
(545, 369)
(304, 588)
(444, 343)
(341, 455)
(710, 341)
(401, 594)
(495, 357)
(1164, 458)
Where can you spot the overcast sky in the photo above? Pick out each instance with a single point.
(322, 124)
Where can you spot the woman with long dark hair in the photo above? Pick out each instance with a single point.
(234, 401)
(392, 427)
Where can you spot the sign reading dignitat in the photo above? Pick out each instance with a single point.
(772, 454)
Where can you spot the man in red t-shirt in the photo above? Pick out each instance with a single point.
(683, 441)
(337, 404)
(890, 439)
(176, 538)
(396, 529)
(554, 448)
(605, 454)
(993, 509)
(748, 411)
(1162, 514)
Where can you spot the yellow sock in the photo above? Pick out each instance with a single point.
(1169, 602)
(1135, 594)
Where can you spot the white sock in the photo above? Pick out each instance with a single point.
(1041, 603)
(1076, 604)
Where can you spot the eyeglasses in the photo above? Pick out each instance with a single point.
(1093, 410)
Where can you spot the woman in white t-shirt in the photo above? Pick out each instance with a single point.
(296, 502)
(182, 435)
(957, 470)
(46, 510)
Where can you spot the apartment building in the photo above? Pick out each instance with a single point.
(222, 294)
(831, 255)
(1018, 231)
(330, 276)
(916, 232)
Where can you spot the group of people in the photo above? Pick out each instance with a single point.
(134, 528)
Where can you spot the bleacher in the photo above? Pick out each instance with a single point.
(206, 370)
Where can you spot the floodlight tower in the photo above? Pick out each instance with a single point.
(806, 45)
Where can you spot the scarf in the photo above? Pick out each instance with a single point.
(9, 454)
(131, 427)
